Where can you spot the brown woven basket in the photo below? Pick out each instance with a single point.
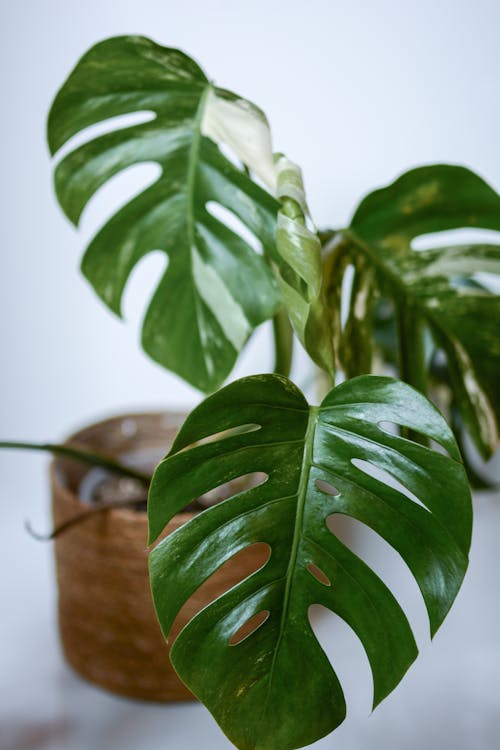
(107, 623)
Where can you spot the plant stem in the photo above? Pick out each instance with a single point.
(78, 518)
(411, 341)
(412, 365)
(86, 457)
(283, 343)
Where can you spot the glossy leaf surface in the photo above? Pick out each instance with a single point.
(435, 288)
(276, 689)
(216, 288)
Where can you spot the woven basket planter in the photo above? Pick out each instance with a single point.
(107, 623)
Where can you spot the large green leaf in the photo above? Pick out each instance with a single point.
(434, 288)
(276, 689)
(216, 288)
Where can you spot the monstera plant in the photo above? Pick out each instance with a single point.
(233, 221)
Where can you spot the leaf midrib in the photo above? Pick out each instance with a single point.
(194, 151)
(306, 466)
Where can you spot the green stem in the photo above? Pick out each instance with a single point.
(283, 343)
(86, 457)
(282, 336)
(411, 341)
(411, 348)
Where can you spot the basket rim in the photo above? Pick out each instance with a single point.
(71, 497)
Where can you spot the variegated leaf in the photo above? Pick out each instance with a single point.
(434, 289)
(298, 264)
(216, 288)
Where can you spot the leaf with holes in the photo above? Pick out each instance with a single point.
(275, 689)
(434, 288)
(216, 288)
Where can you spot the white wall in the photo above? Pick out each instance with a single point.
(356, 92)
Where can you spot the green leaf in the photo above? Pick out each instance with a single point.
(275, 689)
(297, 260)
(433, 288)
(216, 288)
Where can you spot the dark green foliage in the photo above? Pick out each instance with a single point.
(276, 690)
(435, 289)
(216, 288)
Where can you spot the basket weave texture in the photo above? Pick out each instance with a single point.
(108, 627)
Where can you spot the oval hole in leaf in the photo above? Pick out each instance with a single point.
(392, 428)
(318, 574)
(227, 217)
(240, 566)
(110, 125)
(249, 627)
(241, 429)
(464, 236)
(326, 487)
(233, 487)
(386, 477)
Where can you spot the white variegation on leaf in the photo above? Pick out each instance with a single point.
(290, 183)
(437, 289)
(243, 127)
(298, 265)
(216, 288)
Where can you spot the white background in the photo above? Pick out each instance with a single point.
(356, 92)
